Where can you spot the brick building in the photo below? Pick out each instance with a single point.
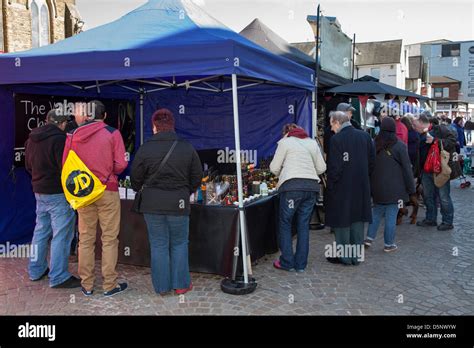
(26, 24)
(447, 97)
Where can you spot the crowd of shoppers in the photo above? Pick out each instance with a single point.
(368, 180)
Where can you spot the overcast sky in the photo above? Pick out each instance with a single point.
(371, 20)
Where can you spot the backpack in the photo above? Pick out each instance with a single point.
(81, 187)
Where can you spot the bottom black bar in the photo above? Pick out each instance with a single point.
(137, 331)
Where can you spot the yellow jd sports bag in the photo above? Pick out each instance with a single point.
(81, 187)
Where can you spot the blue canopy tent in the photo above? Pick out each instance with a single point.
(167, 53)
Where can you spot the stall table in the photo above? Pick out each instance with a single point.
(212, 235)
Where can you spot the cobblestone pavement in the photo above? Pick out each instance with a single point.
(424, 277)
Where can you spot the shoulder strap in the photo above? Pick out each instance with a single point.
(163, 162)
(389, 154)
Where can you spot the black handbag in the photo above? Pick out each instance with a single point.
(136, 208)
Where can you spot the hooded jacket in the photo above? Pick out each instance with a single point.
(102, 150)
(392, 179)
(43, 154)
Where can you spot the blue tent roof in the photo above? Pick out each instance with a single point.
(162, 38)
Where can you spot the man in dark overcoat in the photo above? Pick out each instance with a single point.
(348, 208)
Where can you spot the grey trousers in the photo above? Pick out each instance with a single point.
(351, 239)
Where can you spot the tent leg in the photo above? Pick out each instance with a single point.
(243, 232)
(239, 285)
(141, 117)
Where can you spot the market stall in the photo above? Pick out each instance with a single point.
(366, 88)
(212, 235)
(225, 91)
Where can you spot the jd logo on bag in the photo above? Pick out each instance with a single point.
(79, 184)
(81, 187)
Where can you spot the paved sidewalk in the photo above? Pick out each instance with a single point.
(422, 278)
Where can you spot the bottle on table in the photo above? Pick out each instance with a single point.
(264, 189)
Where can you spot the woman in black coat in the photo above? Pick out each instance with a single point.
(391, 183)
(166, 170)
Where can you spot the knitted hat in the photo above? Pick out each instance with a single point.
(163, 120)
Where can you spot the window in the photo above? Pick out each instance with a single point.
(375, 72)
(441, 92)
(39, 23)
(35, 24)
(1, 29)
(445, 92)
(451, 50)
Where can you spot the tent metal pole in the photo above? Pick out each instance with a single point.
(197, 81)
(316, 78)
(211, 86)
(157, 89)
(141, 116)
(315, 117)
(153, 83)
(129, 88)
(102, 84)
(244, 86)
(243, 232)
(164, 81)
(204, 89)
(73, 85)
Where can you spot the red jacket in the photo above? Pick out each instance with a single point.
(102, 150)
(402, 132)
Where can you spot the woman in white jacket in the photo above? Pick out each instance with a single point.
(298, 162)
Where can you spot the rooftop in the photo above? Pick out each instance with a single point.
(379, 52)
(443, 79)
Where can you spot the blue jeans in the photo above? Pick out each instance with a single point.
(301, 204)
(429, 198)
(55, 221)
(389, 211)
(168, 236)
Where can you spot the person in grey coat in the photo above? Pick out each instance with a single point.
(391, 183)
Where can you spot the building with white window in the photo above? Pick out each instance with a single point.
(455, 61)
(387, 61)
(446, 100)
(26, 24)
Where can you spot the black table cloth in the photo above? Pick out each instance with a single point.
(212, 235)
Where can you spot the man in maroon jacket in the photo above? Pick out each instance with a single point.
(102, 150)
(54, 217)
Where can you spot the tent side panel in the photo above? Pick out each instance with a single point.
(205, 119)
(17, 202)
